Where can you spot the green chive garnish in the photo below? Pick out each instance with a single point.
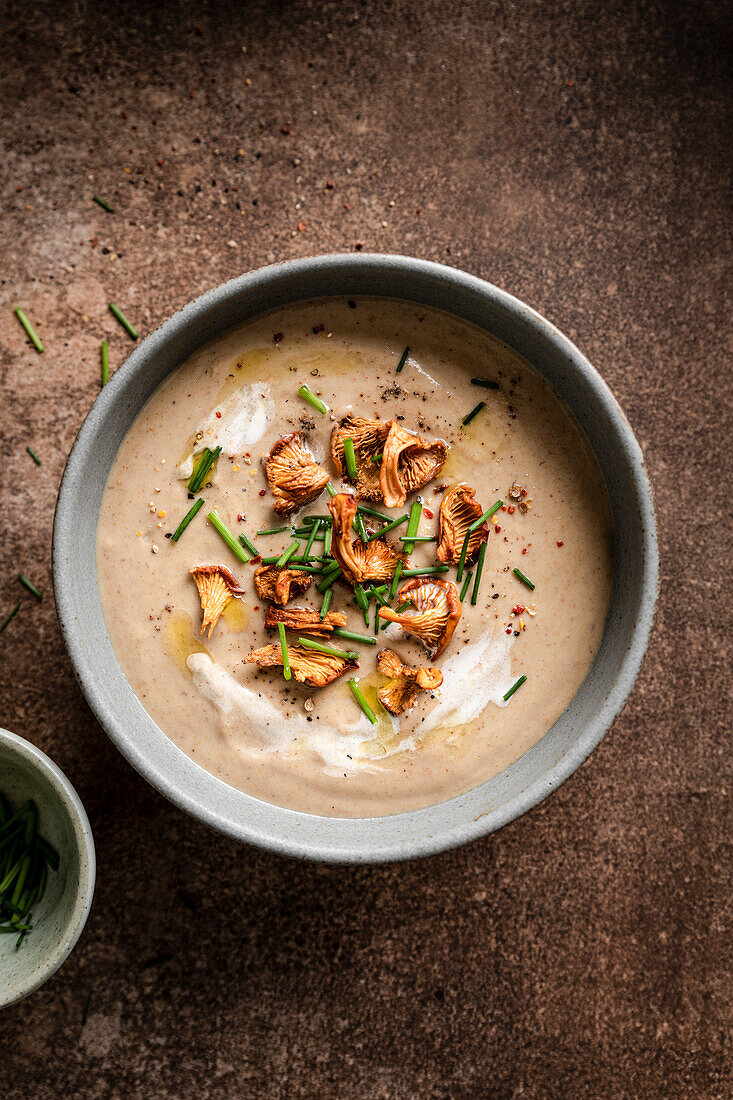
(363, 602)
(228, 537)
(330, 489)
(329, 578)
(327, 540)
(414, 521)
(377, 458)
(402, 607)
(105, 362)
(271, 531)
(327, 597)
(474, 412)
(32, 588)
(331, 650)
(466, 583)
(9, 616)
(377, 620)
(187, 519)
(418, 538)
(487, 515)
(462, 557)
(284, 648)
(33, 455)
(396, 580)
(308, 395)
(360, 528)
(103, 204)
(390, 527)
(248, 545)
(523, 578)
(479, 571)
(311, 538)
(367, 511)
(286, 555)
(350, 458)
(403, 360)
(426, 571)
(117, 312)
(300, 568)
(207, 460)
(485, 382)
(31, 332)
(362, 701)
(350, 636)
(514, 687)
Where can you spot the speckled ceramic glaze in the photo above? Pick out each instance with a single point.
(26, 772)
(530, 778)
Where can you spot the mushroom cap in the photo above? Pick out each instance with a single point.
(306, 619)
(216, 586)
(408, 463)
(405, 683)
(436, 615)
(368, 437)
(308, 666)
(293, 475)
(359, 561)
(280, 585)
(458, 510)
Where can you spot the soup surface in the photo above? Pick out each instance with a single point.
(312, 748)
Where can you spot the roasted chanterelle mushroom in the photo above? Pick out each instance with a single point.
(371, 561)
(368, 437)
(437, 610)
(408, 463)
(308, 666)
(458, 510)
(280, 585)
(216, 586)
(405, 683)
(293, 475)
(305, 619)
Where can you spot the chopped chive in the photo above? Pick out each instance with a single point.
(249, 545)
(403, 360)
(329, 578)
(105, 361)
(367, 511)
(30, 331)
(403, 607)
(479, 571)
(331, 650)
(514, 687)
(462, 556)
(207, 460)
(305, 533)
(33, 455)
(361, 529)
(327, 597)
(487, 383)
(36, 591)
(350, 636)
(330, 489)
(474, 412)
(466, 583)
(286, 555)
(487, 515)
(284, 647)
(117, 312)
(524, 578)
(103, 204)
(377, 458)
(363, 602)
(327, 540)
(311, 538)
(228, 537)
(418, 538)
(320, 518)
(390, 527)
(362, 701)
(301, 568)
(187, 519)
(426, 571)
(14, 611)
(271, 531)
(377, 620)
(414, 521)
(396, 580)
(350, 457)
(271, 560)
(308, 395)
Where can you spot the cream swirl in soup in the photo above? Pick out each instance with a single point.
(418, 707)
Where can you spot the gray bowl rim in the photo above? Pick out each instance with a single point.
(85, 841)
(289, 836)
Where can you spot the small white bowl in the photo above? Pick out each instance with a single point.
(26, 772)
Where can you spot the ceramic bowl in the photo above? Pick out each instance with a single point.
(27, 773)
(529, 779)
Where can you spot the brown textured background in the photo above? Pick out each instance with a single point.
(577, 155)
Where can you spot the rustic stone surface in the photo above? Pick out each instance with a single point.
(576, 155)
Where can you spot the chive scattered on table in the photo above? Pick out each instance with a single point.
(426, 571)
(236, 548)
(315, 402)
(207, 460)
(487, 515)
(403, 360)
(350, 458)
(479, 571)
(390, 527)
(466, 583)
(284, 647)
(30, 586)
(11, 614)
(327, 597)
(474, 412)
(30, 331)
(523, 578)
(358, 695)
(105, 205)
(249, 545)
(286, 555)
(350, 636)
(514, 687)
(487, 383)
(271, 531)
(332, 651)
(187, 519)
(105, 361)
(33, 455)
(127, 326)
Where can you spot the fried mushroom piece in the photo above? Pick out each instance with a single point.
(308, 666)
(216, 586)
(458, 510)
(371, 561)
(293, 475)
(306, 619)
(280, 585)
(436, 614)
(368, 437)
(408, 463)
(405, 683)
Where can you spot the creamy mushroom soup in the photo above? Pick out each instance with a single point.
(401, 693)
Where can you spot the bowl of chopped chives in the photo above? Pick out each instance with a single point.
(47, 868)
